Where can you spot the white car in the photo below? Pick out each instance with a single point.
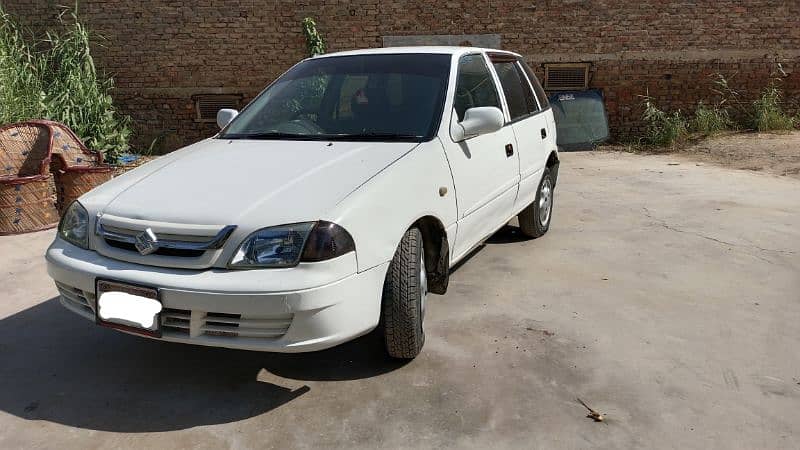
(334, 203)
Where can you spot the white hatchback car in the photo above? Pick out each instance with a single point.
(331, 205)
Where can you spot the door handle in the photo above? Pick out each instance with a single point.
(509, 150)
(544, 133)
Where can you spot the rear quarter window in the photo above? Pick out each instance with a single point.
(537, 87)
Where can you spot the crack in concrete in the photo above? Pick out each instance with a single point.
(663, 223)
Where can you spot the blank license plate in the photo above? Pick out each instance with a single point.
(128, 307)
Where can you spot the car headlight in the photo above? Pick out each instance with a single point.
(74, 226)
(288, 245)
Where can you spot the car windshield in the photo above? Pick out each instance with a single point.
(389, 97)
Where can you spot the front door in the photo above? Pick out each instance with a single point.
(485, 168)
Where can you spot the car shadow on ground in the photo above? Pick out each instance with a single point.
(57, 367)
(509, 234)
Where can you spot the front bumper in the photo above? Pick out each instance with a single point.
(309, 307)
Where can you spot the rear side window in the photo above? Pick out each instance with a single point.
(537, 87)
(519, 96)
(474, 86)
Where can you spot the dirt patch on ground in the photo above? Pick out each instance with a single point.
(778, 154)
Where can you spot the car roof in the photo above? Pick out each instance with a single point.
(426, 49)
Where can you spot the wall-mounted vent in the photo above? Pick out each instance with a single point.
(206, 106)
(566, 77)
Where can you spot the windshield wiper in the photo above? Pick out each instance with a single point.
(366, 136)
(376, 135)
(266, 135)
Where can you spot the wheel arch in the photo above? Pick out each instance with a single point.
(437, 252)
(552, 163)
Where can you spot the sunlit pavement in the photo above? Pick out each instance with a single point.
(665, 296)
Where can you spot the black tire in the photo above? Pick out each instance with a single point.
(532, 221)
(404, 292)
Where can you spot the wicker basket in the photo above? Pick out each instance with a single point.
(26, 204)
(72, 182)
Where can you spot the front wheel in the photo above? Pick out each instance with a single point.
(405, 291)
(534, 221)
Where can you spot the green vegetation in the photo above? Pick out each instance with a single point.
(767, 113)
(733, 112)
(314, 42)
(21, 88)
(663, 129)
(710, 120)
(55, 78)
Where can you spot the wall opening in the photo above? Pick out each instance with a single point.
(207, 105)
(566, 76)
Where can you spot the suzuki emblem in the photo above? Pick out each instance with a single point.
(146, 242)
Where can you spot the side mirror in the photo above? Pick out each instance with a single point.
(477, 121)
(224, 117)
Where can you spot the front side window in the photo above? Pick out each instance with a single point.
(359, 97)
(474, 86)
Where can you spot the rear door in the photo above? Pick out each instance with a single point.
(485, 168)
(529, 124)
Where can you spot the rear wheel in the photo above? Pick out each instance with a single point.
(405, 292)
(534, 221)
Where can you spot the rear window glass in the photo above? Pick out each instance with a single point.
(581, 120)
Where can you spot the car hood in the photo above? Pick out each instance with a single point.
(246, 183)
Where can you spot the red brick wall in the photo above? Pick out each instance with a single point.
(162, 52)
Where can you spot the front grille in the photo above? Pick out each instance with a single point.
(176, 320)
(185, 246)
(190, 324)
(184, 322)
(182, 253)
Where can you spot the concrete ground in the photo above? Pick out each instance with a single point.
(666, 296)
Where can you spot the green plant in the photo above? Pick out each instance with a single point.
(79, 96)
(314, 41)
(56, 78)
(711, 119)
(763, 114)
(767, 113)
(731, 98)
(21, 88)
(661, 128)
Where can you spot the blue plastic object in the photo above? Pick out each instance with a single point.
(127, 158)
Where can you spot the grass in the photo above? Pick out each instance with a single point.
(764, 114)
(21, 88)
(767, 113)
(663, 129)
(670, 130)
(711, 120)
(55, 78)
